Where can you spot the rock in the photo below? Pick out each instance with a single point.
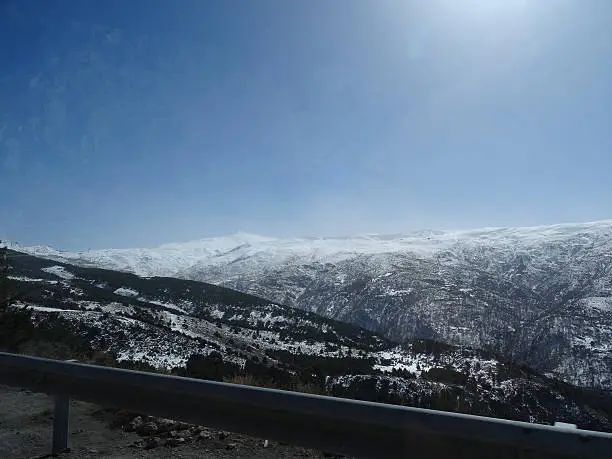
(150, 443)
(173, 442)
(135, 425)
(148, 428)
(231, 446)
(223, 435)
(192, 432)
(165, 426)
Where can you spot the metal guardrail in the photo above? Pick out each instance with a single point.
(351, 427)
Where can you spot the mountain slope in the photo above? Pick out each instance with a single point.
(176, 318)
(203, 330)
(542, 296)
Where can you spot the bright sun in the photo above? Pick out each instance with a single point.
(486, 10)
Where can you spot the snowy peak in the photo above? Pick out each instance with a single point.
(219, 244)
(243, 253)
(221, 259)
(177, 259)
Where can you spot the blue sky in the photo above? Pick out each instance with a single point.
(141, 122)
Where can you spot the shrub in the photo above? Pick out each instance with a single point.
(445, 375)
(16, 327)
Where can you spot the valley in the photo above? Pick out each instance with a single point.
(202, 330)
(538, 296)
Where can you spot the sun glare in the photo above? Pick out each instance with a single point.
(486, 10)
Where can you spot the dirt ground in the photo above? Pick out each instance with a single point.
(26, 421)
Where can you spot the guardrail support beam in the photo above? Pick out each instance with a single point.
(61, 418)
(349, 427)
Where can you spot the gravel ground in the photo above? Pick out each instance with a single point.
(26, 420)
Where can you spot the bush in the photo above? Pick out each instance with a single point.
(16, 328)
(427, 346)
(445, 375)
(54, 337)
(211, 367)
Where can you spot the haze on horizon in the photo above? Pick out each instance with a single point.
(132, 124)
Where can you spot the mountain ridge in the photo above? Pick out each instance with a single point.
(241, 238)
(539, 295)
(196, 329)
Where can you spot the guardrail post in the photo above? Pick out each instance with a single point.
(60, 424)
(61, 421)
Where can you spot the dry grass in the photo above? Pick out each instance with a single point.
(245, 380)
(250, 380)
(307, 388)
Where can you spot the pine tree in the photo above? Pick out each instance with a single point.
(4, 294)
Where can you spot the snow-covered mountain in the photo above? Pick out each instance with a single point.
(202, 330)
(540, 295)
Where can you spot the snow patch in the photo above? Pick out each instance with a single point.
(600, 303)
(46, 309)
(216, 313)
(125, 291)
(59, 271)
(29, 279)
(179, 308)
(396, 292)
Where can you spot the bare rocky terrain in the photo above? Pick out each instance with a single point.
(26, 421)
